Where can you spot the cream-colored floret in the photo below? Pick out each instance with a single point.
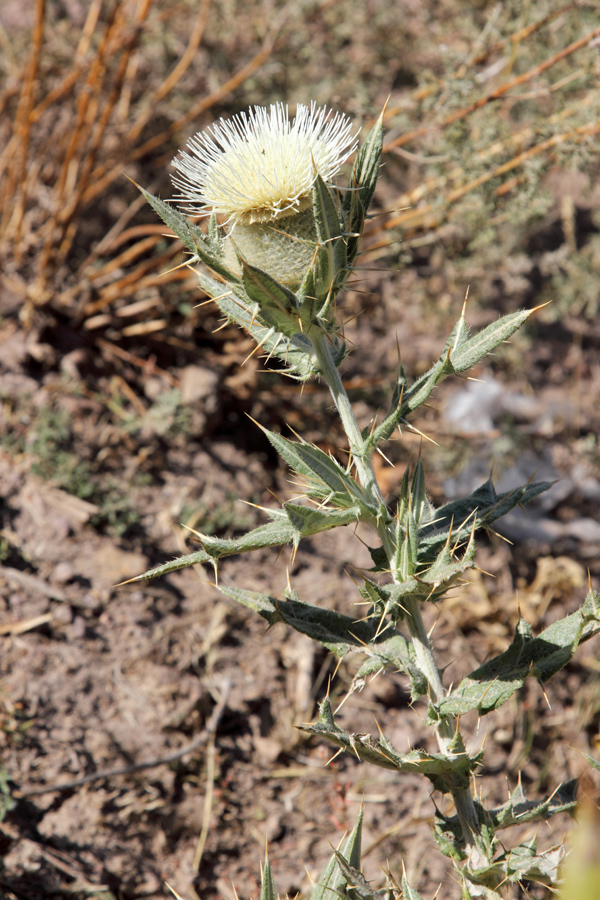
(260, 166)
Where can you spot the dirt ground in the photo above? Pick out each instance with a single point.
(147, 732)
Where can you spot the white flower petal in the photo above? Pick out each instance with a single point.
(260, 166)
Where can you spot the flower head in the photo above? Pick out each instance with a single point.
(259, 166)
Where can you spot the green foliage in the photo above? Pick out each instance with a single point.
(267, 887)
(409, 893)
(330, 268)
(516, 811)
(287, 526)
(339, 633)
(6, 800)
(337, 878)
(493, 683)
(446, 773)
(53, 459)
(188, 233)
(333, 879)
(461, 352)
(420, 552)
(521, 863)
(326, 480)
(363, 180)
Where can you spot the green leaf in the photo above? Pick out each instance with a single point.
(357, 198)
(386, 428)
(330, 267)
(518, 864)
(482, 508)
(466, 352)
(409, 893)
(214, 263)
(387, 599)
(446, 568)
(338, 633)
(332, 881)
(264, 290)
(335, 631)
(459, 354)
(518, 810)
(357, 886)
(295, 351)
(426, 583)
(190, 559)
(189, 234)
(308, 520)
(267, 885)
(397, 652)
(287, 526)
(493, 683)
(445, 773)
(324, 473)
(420, 505)
(284, 528)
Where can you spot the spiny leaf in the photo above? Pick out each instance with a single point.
(339, 633)
(357, 198)
(188, 233)
(294, 351)
(459, 354)
(491, 685)
(287, 526)
(335, 631)
(518, 864)
(332, 882)
(466, 352)
(264, 290)
(308, 520)
(190, 559)
(213, 262)
(267, 885)
(321, 469)
(483, 507)
(331, 264)
(517, 811)
(445, 773)
(357, 886)
(409, 893)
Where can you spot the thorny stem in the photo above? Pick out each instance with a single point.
(330, 373)
(448, 736)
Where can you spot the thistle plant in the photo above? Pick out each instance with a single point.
(281, 242)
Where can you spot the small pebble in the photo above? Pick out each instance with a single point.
(63, 572)
(76, 629)
(62, 614)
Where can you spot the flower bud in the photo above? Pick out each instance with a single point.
(257, 170)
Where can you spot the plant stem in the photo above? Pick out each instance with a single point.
(448, 736)
(330, 373)
(368, 481)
